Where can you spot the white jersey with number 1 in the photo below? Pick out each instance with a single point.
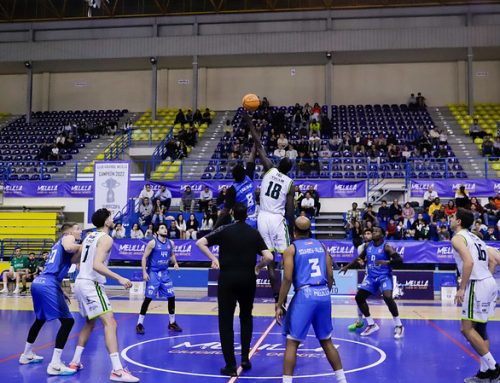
(273, 191)
(89, 247)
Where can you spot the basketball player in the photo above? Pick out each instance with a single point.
(308, 266)
(92, 299)
(477, 292)
(276, 203)
(49, 299)
(159, 252)
(379, 258)
(367, 237)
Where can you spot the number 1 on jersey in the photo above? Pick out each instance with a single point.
(86, 253)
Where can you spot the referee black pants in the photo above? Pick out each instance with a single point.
(230, 291)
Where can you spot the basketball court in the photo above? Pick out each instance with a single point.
(432, 351)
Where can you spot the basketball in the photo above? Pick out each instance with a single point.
(251, 102)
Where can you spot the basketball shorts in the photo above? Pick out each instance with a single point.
(48, 299)
(274, 230)
(92, 298)
(480, 300)
(251, 221)
(378, 284)
(310, 305)
(159, 285)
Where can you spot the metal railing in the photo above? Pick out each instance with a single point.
(37, 246)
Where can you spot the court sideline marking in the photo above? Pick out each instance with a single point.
(254, 350)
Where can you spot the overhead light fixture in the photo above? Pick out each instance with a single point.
(27, 64)
(153, 60)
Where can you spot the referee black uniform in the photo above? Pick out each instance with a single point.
(239, 245)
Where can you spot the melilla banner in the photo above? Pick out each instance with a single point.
(447, 188)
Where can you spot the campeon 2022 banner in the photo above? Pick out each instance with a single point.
(111, 185)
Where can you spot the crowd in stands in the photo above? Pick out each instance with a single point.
(410, 221)
(23, 269)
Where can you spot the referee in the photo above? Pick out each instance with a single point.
(239, 245)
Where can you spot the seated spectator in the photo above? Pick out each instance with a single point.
(206, 116)
(479, 208)
(450, 208)
(475, 130)
(197, 116)
(149, 232)
(369, 215)
(118, 231)
(487, 146)
(187, 200)
(158, 213)
(136, 232)
(221, 197)
(303, 164)
(391, 230)
(324, 152)
(173, 231)
(207, 224)
(480, 227)
(180, 118)
(421, 229)
(297, 198)
(408, 215)
(31, 271)
(307, 205)
(435, 205)
(192, 227)
(282, 141)
(356, 233)
(164, 196)
(41, 263)
(279, 153)
(444, 233)
(315, 197)
(146, 192)
(437, 214)
(490, 234)
(314, 142)
(54, 153)
(395, 210)
(401, 231)
(354, 213)
(145, 212)
(314, 127)
(314, 164)
(180, 224)
(291, 153)
(496, 147)
(206, 197)
(491, 211)
(434, 136)
(383, 214)
(462, 198)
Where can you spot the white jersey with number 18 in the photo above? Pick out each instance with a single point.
(273, 191)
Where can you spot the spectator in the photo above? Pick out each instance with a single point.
(391, 229)
(41, 263)
(444, 233)
(291, 153)
(158, 213)
(420, 101)
(181, 226)
(180, 118)
(408, 215)
(187, 200)
(206, 116)
(421, 229)
(325, 153)
(491, 211)
(149, 232)
(435, 205)
(480, 227)
(206, 197)
(136, 232)
(164, 196)
(297, 198)
(369, 215)
(282, 141)
(496, 200)
(475, 130)
(475, 213)
(314, 142)
(450, 208)
(354, 213)
(395, 210)
(173, 231)
(496, 147)
(315, 197)
(462, 198)
(192, 227)
(146, 192)
(438, 214)
(479, 208)
(119, 231)
(401, 231)
(383, 214)
(356, 233)
(487, 146)
(32, 271)
(18, 267)
(221, 198)
(429, 196)
(207, 225)
(307, 205)
(490, 234)
(145, 212)
(412, 102)
(279, 153)
(314, 127)
(197, 116)
(54, 153)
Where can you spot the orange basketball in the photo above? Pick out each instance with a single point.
(251, 102)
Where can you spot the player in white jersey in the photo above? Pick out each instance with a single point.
(276, 205)
(477, 292)
(92, 299)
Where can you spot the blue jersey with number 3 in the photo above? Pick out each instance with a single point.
(309, 264)
(377, 253)
(245, 193)
(58, 262)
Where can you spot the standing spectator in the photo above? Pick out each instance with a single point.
(297, 199)
(307, 205)
(187, 200)
(429, 196)
(238, 245)
(408, 215)
(145, 212)
(165, 197)
(420, 101)
(136, 232)
(357, 233)
(192, 227)
(206, 197)
(412, 102)
(181, 225)
(462, 198)
(118, 232)
(450, 208)
(354, 213)
(395, 210)
(383, 214)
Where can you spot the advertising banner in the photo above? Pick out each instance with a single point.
(111, 185)
(447, 188)
(263, 284)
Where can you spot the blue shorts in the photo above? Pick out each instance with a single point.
(310, 305)
(159, 285)
(48, 299)
(377, 284)
(252, 221)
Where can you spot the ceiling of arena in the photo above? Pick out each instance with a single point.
(23, 10)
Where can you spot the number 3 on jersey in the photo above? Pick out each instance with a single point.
(315, 269)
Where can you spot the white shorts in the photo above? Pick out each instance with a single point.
(274, 230)
(480, 300)
(92, 298)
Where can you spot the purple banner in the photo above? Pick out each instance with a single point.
(447, 188)
(44, 189)
(263, 284)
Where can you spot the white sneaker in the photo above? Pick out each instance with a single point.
(59, 369)
(370, 330)
(123, 375)
(16, 291)
(4, 291)
(30, 358)
(399, 332)
(76, 366)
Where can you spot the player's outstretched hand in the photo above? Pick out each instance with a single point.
(215, 264)
(279, 314)
(459, 298)
(125, 282)
(176, 266)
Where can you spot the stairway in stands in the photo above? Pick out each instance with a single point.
(329, 225)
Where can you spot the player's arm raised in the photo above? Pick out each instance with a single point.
(290, 211)
(172, 257)
(103, 248)
(460, 246)
(266, 162)
(144, 261)
(395, 258)
(493, 259)
(287, 280)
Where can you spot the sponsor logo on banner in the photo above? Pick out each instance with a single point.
(346, 188)
(13, 189)
(304, 187)
(128, 248)
(341, 251)
(194, 187)
(47, 189)
(469, 186)
(81, 189)
(496, 187)
(421, 186)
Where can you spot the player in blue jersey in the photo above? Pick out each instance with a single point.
(155, 261)
(308, 266)
(49, 299)
(379, 258)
